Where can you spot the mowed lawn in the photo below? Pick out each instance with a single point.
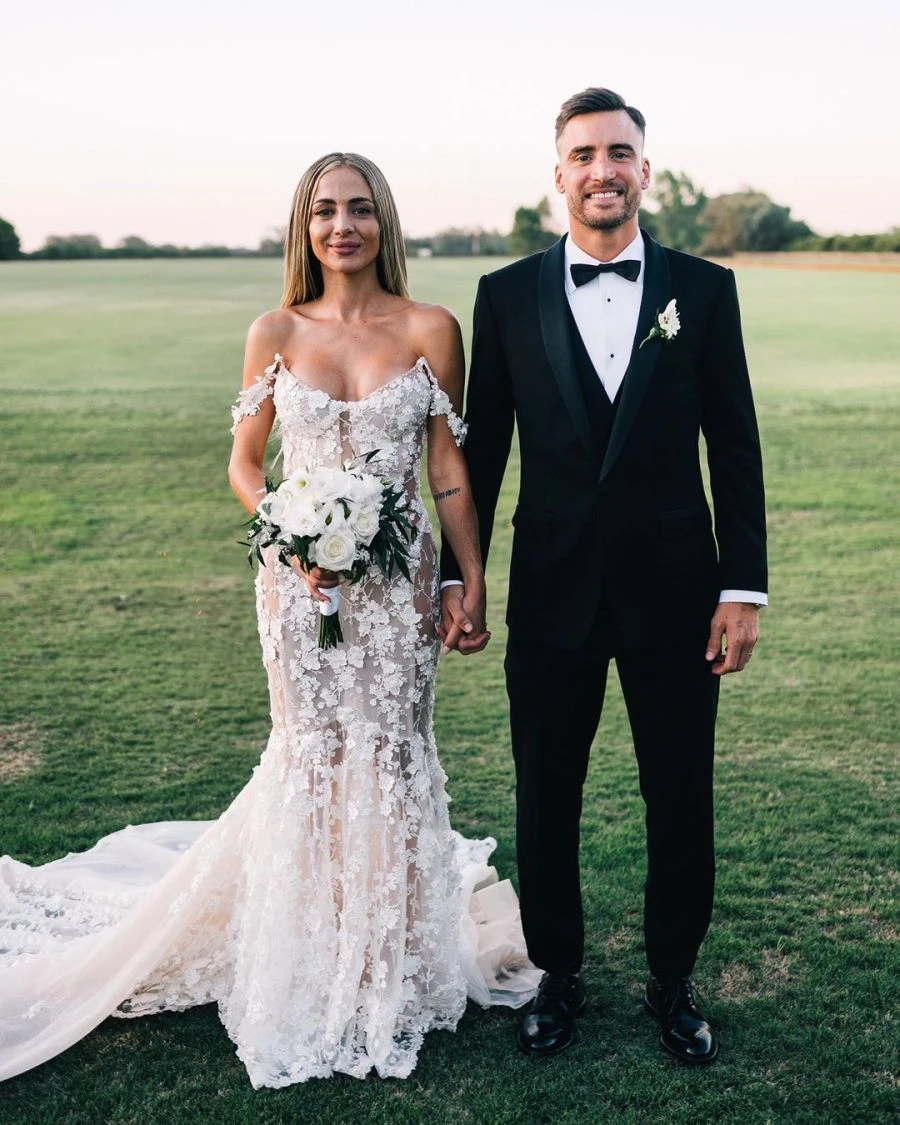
(131, 689)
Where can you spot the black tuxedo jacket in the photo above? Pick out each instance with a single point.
(631, 520)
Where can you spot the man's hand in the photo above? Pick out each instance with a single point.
(462, 620)
(732, 636)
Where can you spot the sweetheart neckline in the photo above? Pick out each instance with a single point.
(420, 364)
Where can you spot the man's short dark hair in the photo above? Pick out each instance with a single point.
(596, 99)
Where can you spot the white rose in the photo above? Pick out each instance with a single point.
(327, 484)
(335, 550)
(300, 517)
(371, 488)
(354, 487)
(365, 524)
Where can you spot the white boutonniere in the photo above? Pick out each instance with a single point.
(667, 325)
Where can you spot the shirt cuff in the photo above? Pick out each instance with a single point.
(754, 597)
(451, 582)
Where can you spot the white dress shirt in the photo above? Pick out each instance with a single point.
(606, 313)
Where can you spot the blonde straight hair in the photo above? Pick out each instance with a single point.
(302, 269)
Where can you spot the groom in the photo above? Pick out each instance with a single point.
(615, 556)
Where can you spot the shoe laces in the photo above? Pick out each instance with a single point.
(689, 994)
(679, 992)
(557, 987)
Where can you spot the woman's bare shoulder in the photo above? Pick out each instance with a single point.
(434, 315)
(435, 334)
(271, 328)
(272, 334)
(430, 322)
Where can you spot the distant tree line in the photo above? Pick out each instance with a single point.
(747, 221)
(58, 247)
(458, 242)
(530, 232)
(886, 243)
(679, 214)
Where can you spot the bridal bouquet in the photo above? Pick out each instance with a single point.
(344, 520)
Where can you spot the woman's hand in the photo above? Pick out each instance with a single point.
(462, 619)
(316, 579)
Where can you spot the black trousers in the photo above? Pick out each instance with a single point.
(556, 697)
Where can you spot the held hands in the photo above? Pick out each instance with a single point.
(316, 579)
(733, 633)
(462, 625)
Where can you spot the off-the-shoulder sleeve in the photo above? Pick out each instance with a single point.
(251, 398)
(441, 404)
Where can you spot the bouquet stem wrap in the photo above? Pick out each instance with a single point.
(330, 632)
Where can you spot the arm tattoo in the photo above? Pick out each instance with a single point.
(443, 495)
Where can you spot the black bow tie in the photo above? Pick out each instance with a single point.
(582, 274)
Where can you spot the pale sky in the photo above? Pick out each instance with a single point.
(189, 122)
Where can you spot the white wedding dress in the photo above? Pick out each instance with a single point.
(330, 912)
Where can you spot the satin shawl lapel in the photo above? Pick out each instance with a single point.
(657, 294)
(553, 309)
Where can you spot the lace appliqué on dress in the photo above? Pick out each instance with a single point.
(251, 398)
(441, 404)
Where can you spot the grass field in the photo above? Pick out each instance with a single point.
(131, 689)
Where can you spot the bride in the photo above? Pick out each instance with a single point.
(330, 912)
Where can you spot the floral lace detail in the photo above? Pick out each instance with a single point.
(251, 398)
(325, 911)
(441, 404)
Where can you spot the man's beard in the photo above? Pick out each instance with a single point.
(610, 222)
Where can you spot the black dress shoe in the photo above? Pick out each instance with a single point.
(685, 1033)
(547, 1026)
